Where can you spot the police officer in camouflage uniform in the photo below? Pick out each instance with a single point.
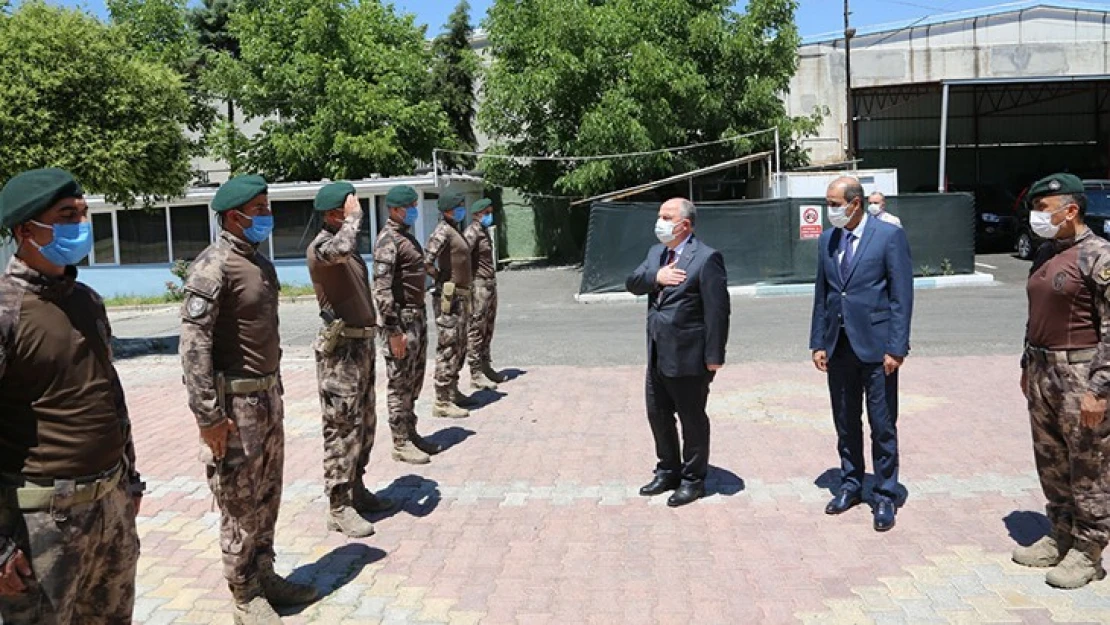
(1066, 379)
(398, 291)
(231, 354)
(447, 257)
(69, 491)
(483, 298)
(345, 358)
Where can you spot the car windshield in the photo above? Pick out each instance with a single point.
(1098, 203)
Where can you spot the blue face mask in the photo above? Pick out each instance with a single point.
(260, 228)
(459, 214)
(487, 220)
(412, 213)
(71, 244)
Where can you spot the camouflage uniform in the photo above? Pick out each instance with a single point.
(230, 329)
(82, 551)
(346, 374)
(444, 247)
(483, 313)
(398, 290)
(1073, 461)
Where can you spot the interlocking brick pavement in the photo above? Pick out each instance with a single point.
(533, 516)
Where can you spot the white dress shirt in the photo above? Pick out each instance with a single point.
(858, 234)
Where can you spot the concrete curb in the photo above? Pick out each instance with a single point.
(786, 290)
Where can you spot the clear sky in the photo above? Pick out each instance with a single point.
(814, 16)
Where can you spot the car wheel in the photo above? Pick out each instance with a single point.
(1024, 246)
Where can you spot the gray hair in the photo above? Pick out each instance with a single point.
(687, 210)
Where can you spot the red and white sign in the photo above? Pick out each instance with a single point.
(810, 223)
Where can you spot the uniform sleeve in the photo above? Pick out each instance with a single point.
(1099, 383)
(198, 320)
(434, 248)
(381, 287)
(338, 248)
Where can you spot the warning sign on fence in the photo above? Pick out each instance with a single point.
(810, 223)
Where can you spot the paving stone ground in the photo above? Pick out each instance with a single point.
(532, 516)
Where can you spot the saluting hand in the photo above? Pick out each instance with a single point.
(398, 346)
(670, 275)
(351, 206)
(1092, 410)
(12, 573)
(216, 437)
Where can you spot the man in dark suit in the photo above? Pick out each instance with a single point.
(687, 328)
(862, 304)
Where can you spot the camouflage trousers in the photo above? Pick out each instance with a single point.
(483, 316)
(405, 376)
(346, 381)
(450, 346)
(1073, 461)
(247, 486)
(84, 565)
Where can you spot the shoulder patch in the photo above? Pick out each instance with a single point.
(381, 269)
(1104, 273)
(196, 306)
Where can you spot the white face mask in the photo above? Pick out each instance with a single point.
(664, 230)
(838, 215)
(874, 209)
(1041, 223)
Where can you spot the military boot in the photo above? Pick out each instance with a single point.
(479, 381)
(1078, 568)
(280, 591)
(366, 502)
(256, 611)
(448, 410)
(493, 375)
(344, 518)
(1046, 552)
(407, 452)
(461, 400)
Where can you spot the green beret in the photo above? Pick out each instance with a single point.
(401, 196)
(29, 194)
(1056, 184)
(237, 192)
(450, 200)
(480, 205)
(333, 196)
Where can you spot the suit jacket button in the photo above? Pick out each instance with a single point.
(844, 294)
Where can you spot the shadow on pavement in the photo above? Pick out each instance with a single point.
(449, 437)
(830, 481)
(723, 482)
(1026, 527)
(333, 571)
(512, 374)
(484, 398)
(123, 348)
(414, 494)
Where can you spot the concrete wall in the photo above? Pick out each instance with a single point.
(1036, 42)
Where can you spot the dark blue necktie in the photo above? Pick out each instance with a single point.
(846, 257)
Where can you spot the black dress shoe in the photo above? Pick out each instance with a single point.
(884, 515)
(659, 485)
(686, 493)
(844, 501)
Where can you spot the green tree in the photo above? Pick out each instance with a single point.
(211, 24)
(453, 76)
(581, 77)
(73, 94)
(160, 32)
(343, 84)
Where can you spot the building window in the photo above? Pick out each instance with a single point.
(104, 239)
(293, 228)
(142, 236)
(190, 231)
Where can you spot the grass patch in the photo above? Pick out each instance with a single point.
(287, 290)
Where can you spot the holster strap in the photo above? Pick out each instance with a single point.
(247, 386)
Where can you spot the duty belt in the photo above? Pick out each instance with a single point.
(38, 494)
(357, 333)
(464, 290)
(1062, 356)
(246, 386)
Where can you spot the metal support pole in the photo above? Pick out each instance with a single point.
(435, 166)
(941, 187)
(849, 109)
(778, 153)
(690, 180)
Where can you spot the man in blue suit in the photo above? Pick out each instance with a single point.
(687, 329)
(860, 334)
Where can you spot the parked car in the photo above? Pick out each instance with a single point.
(1098, 217)
(995, 222)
